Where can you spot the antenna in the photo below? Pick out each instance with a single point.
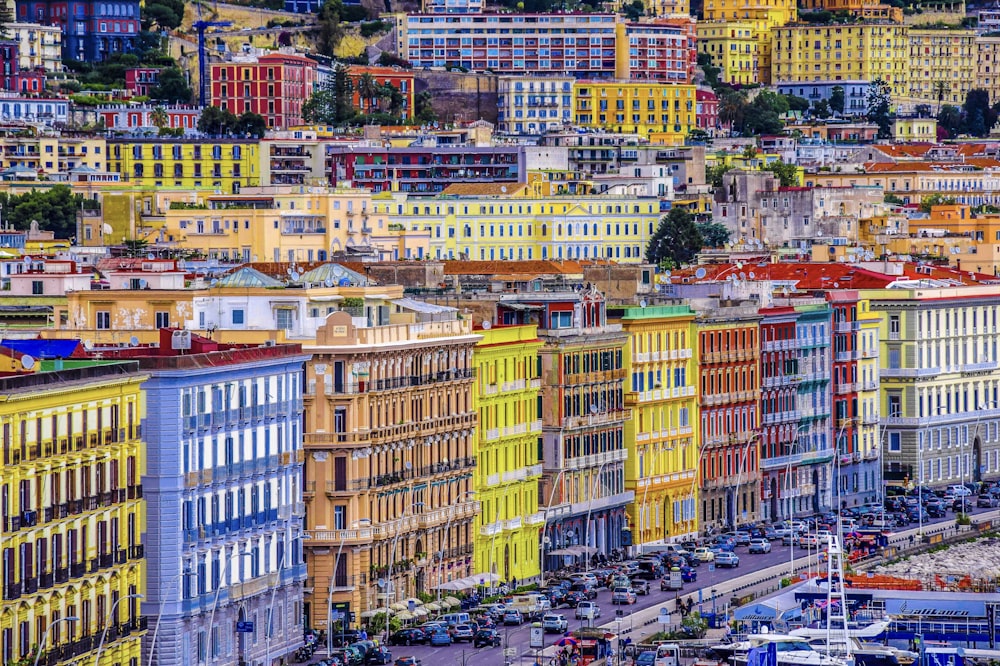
(487, 325)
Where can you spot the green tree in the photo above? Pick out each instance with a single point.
(343, 95)
(159, 117)
(821, 108)
(321, 107)
(162, 14)
(329, 30)
(979, 117)
(950, 120)
(837, 99)
(676, 241)
(368, 91)
(54, 209)
(714, 234)
(935, 200)
(250, 124)
(732, 107)
(711, 71)
(714, 174)
(941, 89)
(634, 10)
(424, 107)
(796, 103)
(216, 121)
(788, 174)
(763, 114)
(172, 88)
(879, 98)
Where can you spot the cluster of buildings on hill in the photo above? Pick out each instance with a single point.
(263, 445)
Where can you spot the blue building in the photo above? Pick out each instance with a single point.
(224, 500)
(813, 475)
(92, 29)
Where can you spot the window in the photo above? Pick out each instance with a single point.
(284, 318)
(162, 319)
(37, 287)
(237, 317)
(103, 320)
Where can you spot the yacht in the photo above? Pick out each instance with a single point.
(863, 653)
(791, 651)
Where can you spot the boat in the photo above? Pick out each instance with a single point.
(863, 652)
(791, 651)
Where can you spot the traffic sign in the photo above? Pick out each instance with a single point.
(537, 638)
(664, 616)
(510, 652)
(244, 627)
(711, 566)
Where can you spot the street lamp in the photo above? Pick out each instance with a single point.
(363, 523)
(447, 528)
(739, 474)
(590, 506)
(159, 616)
(45, 634)
(545, 522)
(270, 607)
(111, 614)
(392, 558)
(218, 591)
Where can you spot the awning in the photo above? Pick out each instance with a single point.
(421, 306)
(453, 601)
(522, 307)
(372, 613)
(563, 552)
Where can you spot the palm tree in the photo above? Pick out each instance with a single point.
(368, 90)
(159, 117)
(941, 88)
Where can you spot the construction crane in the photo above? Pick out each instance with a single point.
(201, 25)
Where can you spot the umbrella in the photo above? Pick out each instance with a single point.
(398, 606)
(433, 607)
(371, 613)
(404, 616)
(566, 641)
(414, 601)
(420, 612)
(453, 601)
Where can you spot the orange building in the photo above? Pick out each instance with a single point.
(400, 79)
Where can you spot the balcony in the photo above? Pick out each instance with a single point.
(595, 460)
(602, 418)
(910, 372)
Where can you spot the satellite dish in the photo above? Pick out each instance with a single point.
(743, 276)
(408, 465)
(328, 282)
(642, 303)
(739, 265)
(700, 273)
(27, 362)
(487, 325)
(88, 345)
(667, 273)
(289, 271)
(594, 408)
(151, 256)
(753, 276)
(295, 276)
(836, 285)
(503, 189)
(142, 283)
(107, 228)
(133, 341)
(345, 282)
(214, 282)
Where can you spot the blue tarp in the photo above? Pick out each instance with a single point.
(42, 349)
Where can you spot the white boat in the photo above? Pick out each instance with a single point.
(861, 632)
(790, 650)
(862, 652)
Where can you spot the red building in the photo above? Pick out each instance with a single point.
(661, 51)
(778, 416)
(707, 111)
(400, 79)
(274, 85)
(142, 80)
(133, 117)
(14, 78)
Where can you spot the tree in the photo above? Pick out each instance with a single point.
(821, 108)
(950, 120)
(634, 10)
(162, 14)
(343, 95)
(837, 99)
(54, 209)
(941, 89)
(321, 107)
(796, 103)
(329, 31)
(159, 117)
(788, 174)
(250, 124)
(763, 114)
(711, 71)
(713, 233)
(979, 117)
(424, 107)
(172, 87)
(677, 239)
(368, 91)
(935, 200)
(879, 98)
(732, 107)
(216, 121)
(714, 174)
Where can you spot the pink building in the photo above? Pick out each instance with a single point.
(707, 111)
(142, 80)
(179, 116)
(48, 277)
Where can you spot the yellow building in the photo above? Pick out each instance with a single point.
(867, 384)
(222, 165)
(73, 514)
(489, 224)
(734, 47)
(48, 153)
(915, 129)
(952, 233)
(851, 51)
(37, 45)
(942, 64)
(762, 16)
(507, 395)
(988, 65)
(663, 113)
(661, 390)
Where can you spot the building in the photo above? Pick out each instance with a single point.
(226, 165)
(942, 65)
(223, 488)
(15, 79)
(580, 45)
(664, 114)
(734, 47)
(390, 436)
(707, 111)
(582, 491)
(142, 80)
(914, 128)
(661, 437)
(848, 52)
(92, 31)
(729, 397)
(758, 17)
(39, 46)
(403, 80)
(144, 116)
(939, 377)
(988, 65)
(508, 395)
(48, 111)
(49, 153)
(855, 93)
(73, 512)
(275, 86)
(452, 6)
(532, 104)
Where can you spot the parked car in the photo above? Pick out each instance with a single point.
(771, 534)
(587, 609)
(407, 661)
(512, 618)
(378, 655)
(704, 554)
(574, 599)
(727, 560)
(742, 537)
(554, 623)
(646, 658)
(640, 586)
(623, 595)
(587, 589)
(808, 540)
(486, 638)
(760, 546)
(407, 637)
(959, 491)
(463, 633)
(689, 574)
(987, 500)
(440, 637)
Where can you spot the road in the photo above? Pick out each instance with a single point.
(517, 637)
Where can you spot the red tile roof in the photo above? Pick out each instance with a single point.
(813, 276)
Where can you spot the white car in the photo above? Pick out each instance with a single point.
(704, 554)
(587, 609)
(959, 491)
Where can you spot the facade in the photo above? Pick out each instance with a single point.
(915, 128)
(92, 31)
(729, 354)
(134, 117)
(402, 80)
(275, 86)
(734, 47)
(47, 110)
(855, 93)
(508, 469)
(39, 46)
(662, 113)
(582, 491)
(707, 111)
(867, 51)
(532, 104)
(988, 65)
(452, 6)
(50, 153)
(221, 164)
(939, 384)
(662, 439)
(223, 488)
(814, 472)
(142, 80)
(73, 513)
(544, 227)
(391, 456)
(942, 65)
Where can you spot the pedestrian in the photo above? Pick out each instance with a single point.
(513, 583)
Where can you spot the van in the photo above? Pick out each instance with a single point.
(455, 618)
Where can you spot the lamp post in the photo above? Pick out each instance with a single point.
(159, 616)
(739, 474)
(111, 614)
(541, 537)
(791, 511)
(363, 523)
(590, 506)
(45, 634)
(447, 528)
(643, 508)
(270, 607)
(218, 591)
(392, 557)
(975, 432)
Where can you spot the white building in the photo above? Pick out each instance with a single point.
(37, 45)
(533, 104)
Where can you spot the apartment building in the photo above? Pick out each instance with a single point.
(734, 47)
(73, 513)
(868, 51)
(532, 105)
(661, 436)
(390, 436)
(92, 31)
(664, 114)
(38, 46)
(729, 354)
(48, 153)
(508, 395)
(275, 86)
(942, 65)
(988, 65)
(186, 164)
